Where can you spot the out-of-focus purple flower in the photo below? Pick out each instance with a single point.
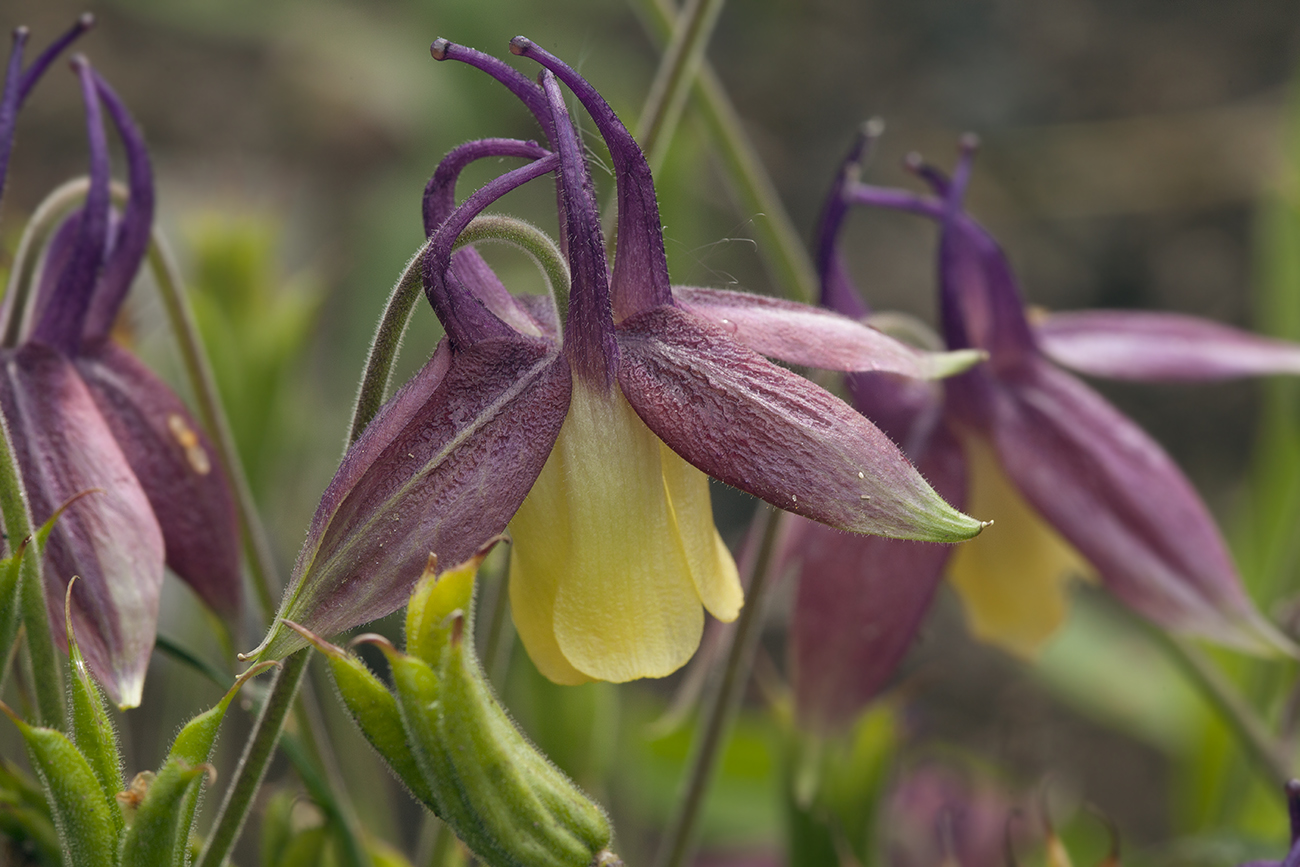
(1292, 858)
(1073, 486)
(84, 414)
(599, 427)
(937, 816)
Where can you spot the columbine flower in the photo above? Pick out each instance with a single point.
(603, 429)
(85, 414)
(1072, 485)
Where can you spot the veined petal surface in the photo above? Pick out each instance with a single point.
(1167, 347)
(177, 467)
(816, 337)
(1115, 495)
(110, 539)
(614, 550)
(440, 475)
(758, 427)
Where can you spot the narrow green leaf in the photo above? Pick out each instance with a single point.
(92, 730)
(81, 813)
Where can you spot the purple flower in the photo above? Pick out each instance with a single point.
(938, 816)
(85, 414)
(593, 434)
(1073, 486)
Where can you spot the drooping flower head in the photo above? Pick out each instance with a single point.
(1072, 485)
(85, 414)
(593, 435)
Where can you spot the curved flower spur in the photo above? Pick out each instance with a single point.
(1073, 485)
(85, 414)
(601, 432)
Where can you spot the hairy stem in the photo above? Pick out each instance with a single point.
(675, 77)
(252, 765)
(31, 612)
(779, 244)
(679, 840)
(203, 383)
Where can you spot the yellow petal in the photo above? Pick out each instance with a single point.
(712, 568)
(601, 584)
(1013, 578)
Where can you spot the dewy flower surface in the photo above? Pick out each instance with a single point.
(1071, 484)
(85, 415)
(604, 427)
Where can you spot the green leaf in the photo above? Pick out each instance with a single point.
(76, 798)
(92, 730)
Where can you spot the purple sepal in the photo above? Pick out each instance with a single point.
(109, 539)
(860, 601)
(177, 468)
(640, 278)
(761, 428)
(1115, 495)
(1159, 347)
(800, 334)
(440, 470)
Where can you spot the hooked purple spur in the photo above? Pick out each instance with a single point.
(1073, 485)
(83, 413)
(593, 435)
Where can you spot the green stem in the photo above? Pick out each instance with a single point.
(679, 839)
(45, 658)
(1272, 758)
(203, 383)
(261, 745)
(779, 243)
(38, 230)
(675, 77)
(386, 344)
(252, 765)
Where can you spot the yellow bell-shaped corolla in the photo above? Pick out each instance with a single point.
(615, 551)
(1014, 578)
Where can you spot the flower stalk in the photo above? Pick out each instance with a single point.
(720, 711)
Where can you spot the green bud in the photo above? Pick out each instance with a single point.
(500, 795)
(76, 798)
(159, 834)
(374, 709)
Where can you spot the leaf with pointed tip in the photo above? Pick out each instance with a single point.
(1159, 347)
(1115, 495)
(761, 428)
(81, 813)
(92, 730)
(815, 337)
(178, 470)
(111, 540)
(440, 470)
(9, 607)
